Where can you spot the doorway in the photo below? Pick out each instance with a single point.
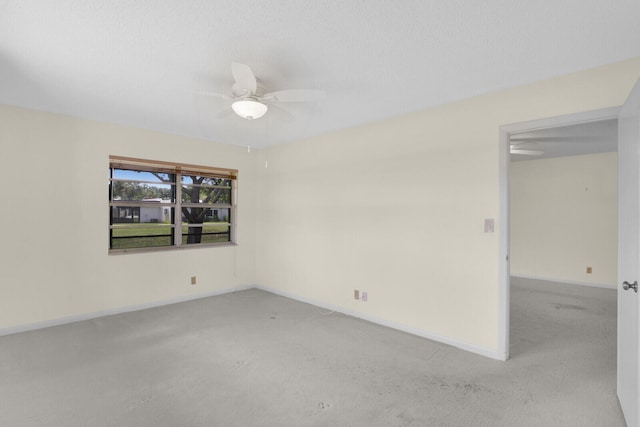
(530, 139)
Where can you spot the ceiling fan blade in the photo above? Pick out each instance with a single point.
(216, 95)
(515, 142)
(282, 113)
(246, 83)
(551, 139)
(527, 152)
(294, 95)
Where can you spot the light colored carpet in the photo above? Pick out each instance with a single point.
(256, 359)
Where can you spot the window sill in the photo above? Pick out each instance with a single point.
(170, 248)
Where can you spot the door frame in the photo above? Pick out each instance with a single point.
(504, 162)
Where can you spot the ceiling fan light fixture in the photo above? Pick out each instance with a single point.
(249, 108)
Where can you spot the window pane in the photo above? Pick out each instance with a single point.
(203, 180)
(131, 175)
(142, 191)
(204, 215)
(124, 214)
(125, 236)
(206, 195)
(149, 213)
(206, 233)
(156, 213)
(217, 215)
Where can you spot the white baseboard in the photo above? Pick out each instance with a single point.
(384, 322)
(110, 312)
(569, 282)
(390, 324)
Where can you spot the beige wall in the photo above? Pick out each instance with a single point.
(396, 208)
(55, 220)
(564, 218)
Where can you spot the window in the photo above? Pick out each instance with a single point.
(126, 214)
(155, 204)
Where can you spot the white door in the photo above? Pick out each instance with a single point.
(629, 255)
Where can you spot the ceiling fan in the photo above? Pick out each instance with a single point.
(514, 148)
(249, 99)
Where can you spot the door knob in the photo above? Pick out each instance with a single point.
(626, 285)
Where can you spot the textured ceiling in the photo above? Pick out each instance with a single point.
(144, 63)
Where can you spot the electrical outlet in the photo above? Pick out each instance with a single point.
(364, 297)
(589, 270)
(193, 280)
(489, 225)
(356, 294)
